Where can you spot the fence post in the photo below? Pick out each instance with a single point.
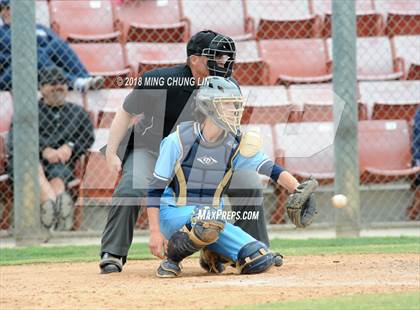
(25, 124)
(346, 149)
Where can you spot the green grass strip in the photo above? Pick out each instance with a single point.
(43, 254)
(406, 301)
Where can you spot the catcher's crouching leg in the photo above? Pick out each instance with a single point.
(213, 262)
(254, 258)
(186, 242)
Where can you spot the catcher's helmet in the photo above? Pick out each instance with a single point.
(221, 99)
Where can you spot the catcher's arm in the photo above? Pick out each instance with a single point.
(288, 181)
(300, 205)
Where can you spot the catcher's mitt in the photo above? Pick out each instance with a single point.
(300, 205)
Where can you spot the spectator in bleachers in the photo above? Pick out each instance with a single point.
(52, 51)
(414, 210)
(65, 134)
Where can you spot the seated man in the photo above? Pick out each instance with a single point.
(194, 167)
(65, 134)
(52, 51)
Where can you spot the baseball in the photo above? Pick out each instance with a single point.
(339, 201)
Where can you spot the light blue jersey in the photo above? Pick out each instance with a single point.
(171, 151)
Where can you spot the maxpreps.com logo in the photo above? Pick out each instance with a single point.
(207, 160)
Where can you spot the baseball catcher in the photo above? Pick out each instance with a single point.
(194, 167)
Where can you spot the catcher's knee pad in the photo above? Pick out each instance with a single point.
(186, 242)
(212, 261)
(206, 232)
(254, 257)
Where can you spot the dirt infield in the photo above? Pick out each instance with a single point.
(79, 285)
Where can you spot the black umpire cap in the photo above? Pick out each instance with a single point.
(200, 41)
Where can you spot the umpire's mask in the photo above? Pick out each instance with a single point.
(221, 55)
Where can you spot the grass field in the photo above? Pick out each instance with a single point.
(342, 273)
(16, 256)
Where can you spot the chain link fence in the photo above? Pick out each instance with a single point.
(285, 69)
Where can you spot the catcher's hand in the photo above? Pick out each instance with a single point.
(300, 205)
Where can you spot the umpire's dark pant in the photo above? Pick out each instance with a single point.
(137, 173)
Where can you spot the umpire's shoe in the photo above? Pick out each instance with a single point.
(168, 269)
(110, 263)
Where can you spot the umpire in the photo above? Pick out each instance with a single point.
(163, 98)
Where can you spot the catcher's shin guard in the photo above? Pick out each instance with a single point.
(186, 242)
(253, 258)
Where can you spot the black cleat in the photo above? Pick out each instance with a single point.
(168, 269)
(110, 263)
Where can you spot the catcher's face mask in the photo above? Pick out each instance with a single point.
(229, 111)
(221, 100)
(221, 55)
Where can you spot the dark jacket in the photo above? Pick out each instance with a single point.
(60, 125)
(163, 106)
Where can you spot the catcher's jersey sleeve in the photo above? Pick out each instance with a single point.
(169, 153)
(250, 163)
(259, 163)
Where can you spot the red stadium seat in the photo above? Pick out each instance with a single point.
(283, 19)
(307, 149)
(297, 61)
(105, 104)
(369, 22)
(384, 150)
(151, 21)
(84, 21)
(391, 99)
(375, 59)
(3, 154)
(98, 181)
(227, 17)
(407, 48)
(385, 154)
(107, 59)
(250, 68)
(6, 111)
(6, 188)
(316, 101)
(266, 105)
(402, 16)
(146, 56)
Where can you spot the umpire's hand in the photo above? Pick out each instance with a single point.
(158, 244)
(113, 162)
